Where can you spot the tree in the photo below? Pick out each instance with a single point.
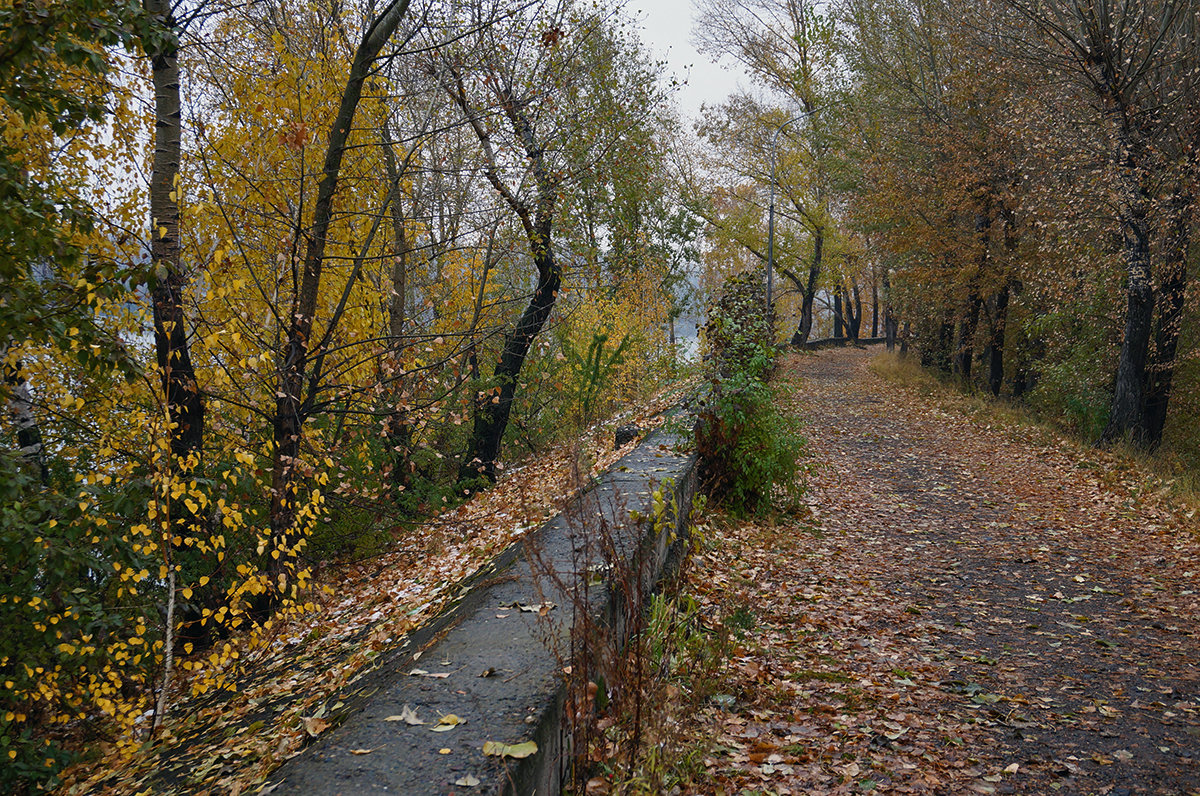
(1141, 63)
(532, 89)
(185, 405)
(787, 47)
(293, 404)
(937, 167)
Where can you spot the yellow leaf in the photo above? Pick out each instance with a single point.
(518, 751)
(447, 722)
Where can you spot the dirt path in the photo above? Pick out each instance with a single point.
(973, 612)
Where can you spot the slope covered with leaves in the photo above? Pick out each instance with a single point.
(284, 684)
(967, 609)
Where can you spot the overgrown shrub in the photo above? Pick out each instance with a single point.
(739, 330)
(749, 450)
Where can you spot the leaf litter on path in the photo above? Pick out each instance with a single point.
(967, 609)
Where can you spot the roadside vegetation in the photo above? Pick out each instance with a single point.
(284, 281)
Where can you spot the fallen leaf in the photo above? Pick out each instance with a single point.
(314, 726)
(518, 751)
(423, 673)
(533, 608)
(361, 751)
(447, 723)
(467, 782)
(406, 715)
(1124, 755)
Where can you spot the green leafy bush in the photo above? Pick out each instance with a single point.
(1071, 390)
(73, 639)
(592, 370)
(749, 451)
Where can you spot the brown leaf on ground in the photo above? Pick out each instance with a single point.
(969, 608)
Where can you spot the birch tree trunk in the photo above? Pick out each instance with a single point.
(185, 406)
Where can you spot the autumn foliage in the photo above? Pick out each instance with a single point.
(1034, 199)
(252, 319)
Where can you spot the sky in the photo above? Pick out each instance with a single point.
(666, 27)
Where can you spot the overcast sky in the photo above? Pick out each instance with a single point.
(667, 30)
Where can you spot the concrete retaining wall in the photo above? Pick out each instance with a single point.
(523, 654)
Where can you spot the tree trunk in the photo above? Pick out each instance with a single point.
(874, 306)
(1161, 370)
(855, 315)
(945, 340)
(396, 426)
(964, 360)
(492, 408)
(995, 347)
(891, 324)
(838, 330)
(400, 247)
(998, 331)
(1028, 352)
(291, 406)
(1127, 415)
(965, 355)
(185, 407)
(810, 291)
